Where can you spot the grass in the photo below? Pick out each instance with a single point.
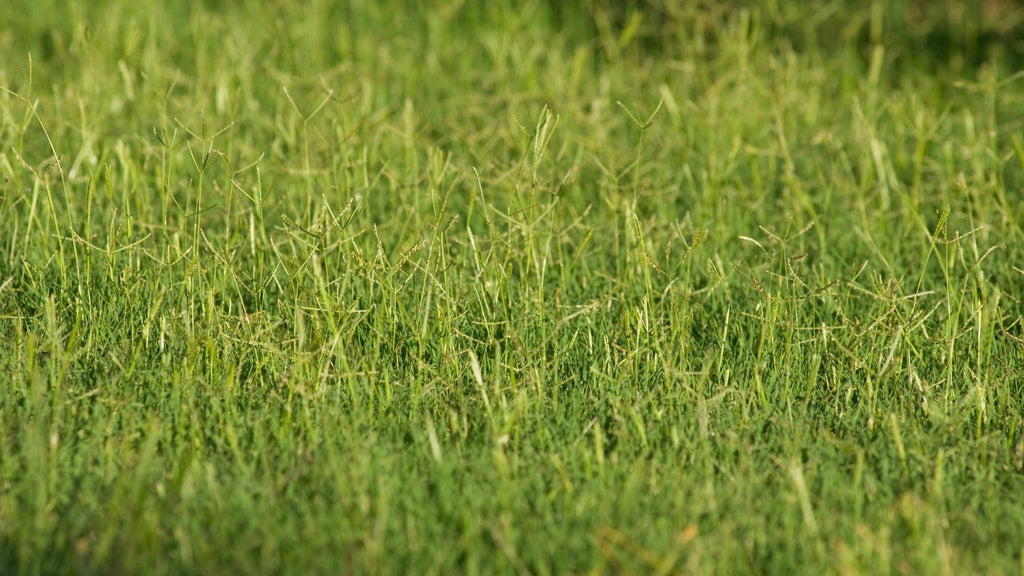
(511, 288)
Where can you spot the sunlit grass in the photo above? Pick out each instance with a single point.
(470, 288)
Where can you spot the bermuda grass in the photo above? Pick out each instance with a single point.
(511, 287)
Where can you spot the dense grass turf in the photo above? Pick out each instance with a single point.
(292, 287)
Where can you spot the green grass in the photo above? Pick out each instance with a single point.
(532, 287)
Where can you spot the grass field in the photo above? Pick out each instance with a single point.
(511, 287)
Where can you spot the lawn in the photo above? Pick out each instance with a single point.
(531, 287)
